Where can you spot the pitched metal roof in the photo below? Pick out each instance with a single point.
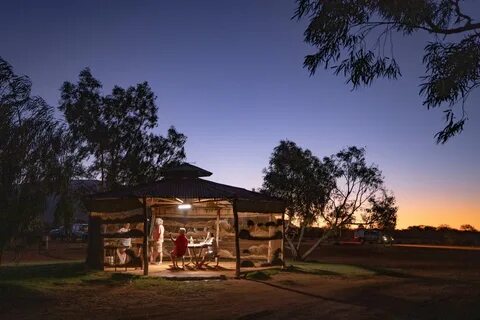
(186, 170)
(183, 182)
(185, 188)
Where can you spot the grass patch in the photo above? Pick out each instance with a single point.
(321, 269)
(343, 270)
(329, 269)
(169, 287)
(261, 275)
(44, 281)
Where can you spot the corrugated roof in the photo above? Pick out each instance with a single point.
(185, 183)
(186, 170)
(185, 188)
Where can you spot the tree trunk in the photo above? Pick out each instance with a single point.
(300, 238)
(316, 244)
(237, 240)
(292, 248)
(102, 172)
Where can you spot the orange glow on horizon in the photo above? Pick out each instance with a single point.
(434, 211)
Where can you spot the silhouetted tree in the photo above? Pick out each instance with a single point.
(382, 213)
(333, 190)
(468, 227)
(115, 131)
(444, 227)
(356, 182)
(355, 38)
(30, 144)
(298, 177)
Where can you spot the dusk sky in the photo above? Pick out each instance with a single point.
(229, 75)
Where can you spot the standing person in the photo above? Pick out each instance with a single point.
(181, 244)
(157, 237)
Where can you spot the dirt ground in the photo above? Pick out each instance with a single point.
(351, 282)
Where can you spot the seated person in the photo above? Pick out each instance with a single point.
(125, 243)
(212, 251)
(180, 248)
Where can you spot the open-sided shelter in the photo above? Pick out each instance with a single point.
(247, 226)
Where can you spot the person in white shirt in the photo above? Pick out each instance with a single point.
(157, 237)
(125, 244)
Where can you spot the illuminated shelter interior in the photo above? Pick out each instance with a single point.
(246, 226)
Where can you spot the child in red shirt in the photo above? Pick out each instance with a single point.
(180, 248)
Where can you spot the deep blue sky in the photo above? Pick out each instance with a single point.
(229, 75)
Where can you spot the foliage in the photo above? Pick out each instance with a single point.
(115, 131)
(444, 227)
(298, 177)
(30, 141)
(356, 183)
(382, 213)
(332, 191)
(468, 227)
(301, 180)
(355, 38)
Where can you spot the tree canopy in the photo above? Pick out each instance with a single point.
(32, 149)
(382, 213)
(334, 191)
(355, 39)
(356, 182)
(115, 131)
(300, 178)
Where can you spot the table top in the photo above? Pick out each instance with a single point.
(198, 245)
(115, 246)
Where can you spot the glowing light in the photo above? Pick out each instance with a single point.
(184, 206)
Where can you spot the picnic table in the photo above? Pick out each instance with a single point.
(197, 249)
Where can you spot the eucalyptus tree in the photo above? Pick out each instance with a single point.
(334, 191)
(356, 39)
(382, 212)
(356, 182)
(115, 131)
(30, 140)
(300, 179)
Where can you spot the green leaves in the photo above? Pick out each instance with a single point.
(382, 213)
(453, 71)
(300, 178)
(354, 38)
(30, 145)
(114, 131)
(332, 190)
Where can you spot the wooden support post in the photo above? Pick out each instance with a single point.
(217, 229)
(270, 249)
(95, 254)
(145, 237)
(237, 240)
(283, 240)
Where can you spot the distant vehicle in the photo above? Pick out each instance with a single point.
(372, 236)
(58, 233)
(79, 232)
